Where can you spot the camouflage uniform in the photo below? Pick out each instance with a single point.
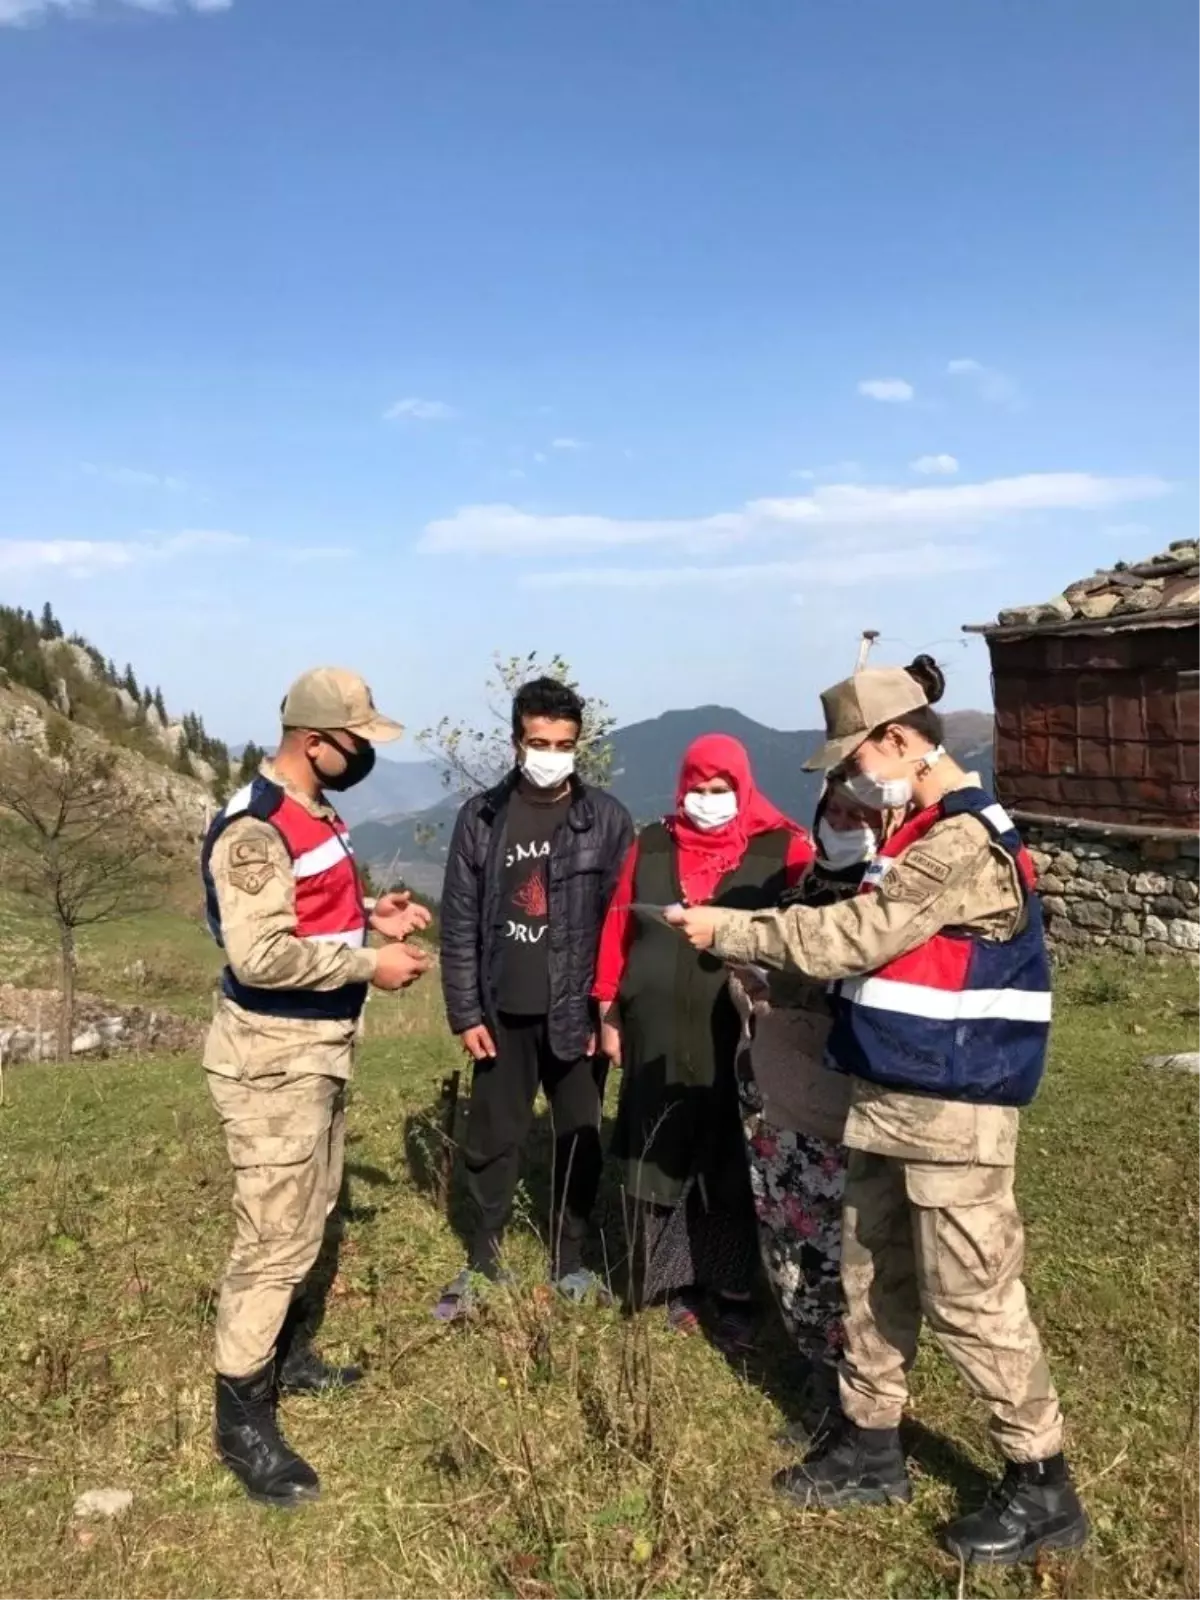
(278, 1084)
(931, 1227)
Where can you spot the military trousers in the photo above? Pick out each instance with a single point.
(285, 1134)
(941, 1243)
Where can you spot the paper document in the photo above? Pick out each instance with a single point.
(642, 908)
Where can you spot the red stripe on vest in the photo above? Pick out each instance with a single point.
(943, 961)
(329, 901)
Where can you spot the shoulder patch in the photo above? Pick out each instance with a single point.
(922, 861)
(251, 878)
(248, 852)
(898, 886)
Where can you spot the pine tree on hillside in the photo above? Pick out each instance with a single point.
(183, 762)
(110, 671)
(51, 627)
(147, 697)
(252, 759)
(130, 684)
(160, 705)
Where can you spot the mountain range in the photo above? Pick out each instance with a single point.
(411, 839)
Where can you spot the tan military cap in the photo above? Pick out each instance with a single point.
(330, 698)
(857, 705)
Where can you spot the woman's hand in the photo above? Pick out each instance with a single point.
(756, 987)
(610, 1042)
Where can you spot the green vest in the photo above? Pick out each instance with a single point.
(678, 1115)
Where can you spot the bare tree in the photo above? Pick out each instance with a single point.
(76, 839)
(476, 758)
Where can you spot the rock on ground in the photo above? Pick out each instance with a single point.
(103, 1503)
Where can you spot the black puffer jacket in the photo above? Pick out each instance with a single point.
(585, 861)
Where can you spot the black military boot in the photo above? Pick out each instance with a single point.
(298, 1367)
(250, 1444)
(1033, 1507)
(852, 1467)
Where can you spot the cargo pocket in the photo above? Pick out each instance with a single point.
(968, 1226)
(278, 1178)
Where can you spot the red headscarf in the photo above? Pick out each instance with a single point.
(703, 859)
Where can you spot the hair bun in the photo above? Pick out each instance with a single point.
(929, 678)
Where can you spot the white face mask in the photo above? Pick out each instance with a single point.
(841, 850)
(888, 794)
(547, 769)
(710, 811)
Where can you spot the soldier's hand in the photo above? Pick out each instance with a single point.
(398, 965)
(396, 916)
(698, 924)
(478, 1043)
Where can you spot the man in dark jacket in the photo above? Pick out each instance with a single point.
(532, 865)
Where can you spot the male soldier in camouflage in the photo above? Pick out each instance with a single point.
(943, 1014)
(285, 903)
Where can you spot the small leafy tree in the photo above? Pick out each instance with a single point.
(474, 758)
(77, 841)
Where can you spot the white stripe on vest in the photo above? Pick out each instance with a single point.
(323, 857)
(355, 937)
(948, 1005)
(999, 818)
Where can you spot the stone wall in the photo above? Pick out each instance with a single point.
(1138, 896)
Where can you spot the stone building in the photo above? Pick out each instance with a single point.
(1097, 750)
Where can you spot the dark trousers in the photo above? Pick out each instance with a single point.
(503, 1091)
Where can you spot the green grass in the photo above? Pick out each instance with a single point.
(161, 957)
(542, 1451)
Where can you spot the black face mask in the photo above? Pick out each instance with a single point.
(359, 763)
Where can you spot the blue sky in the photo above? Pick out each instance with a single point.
(686, 340)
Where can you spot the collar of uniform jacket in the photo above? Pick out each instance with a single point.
(580, 817)
(318, 808)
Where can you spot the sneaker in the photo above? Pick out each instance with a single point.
(1034, 1507)
(854, 1466)
(682, 1313)
(467, 1292)
(735, 1331)
(582, 1285)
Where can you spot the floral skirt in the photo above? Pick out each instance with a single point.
(798, 1182)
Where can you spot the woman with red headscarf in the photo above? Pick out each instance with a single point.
(670, 1023)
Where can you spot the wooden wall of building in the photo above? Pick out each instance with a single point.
(1100, 727)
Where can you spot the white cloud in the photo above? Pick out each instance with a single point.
(540, 457)
(895, 390)
(992, 385)
(23, 13)
(507, 530)
(829, 567)
(414, 409)
(567, 444)
(940, 466)
(133, 477)
(86, 557)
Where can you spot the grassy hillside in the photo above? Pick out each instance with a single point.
(547, 1452)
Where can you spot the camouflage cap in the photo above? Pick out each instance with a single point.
(857, 705)
(328, 699)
